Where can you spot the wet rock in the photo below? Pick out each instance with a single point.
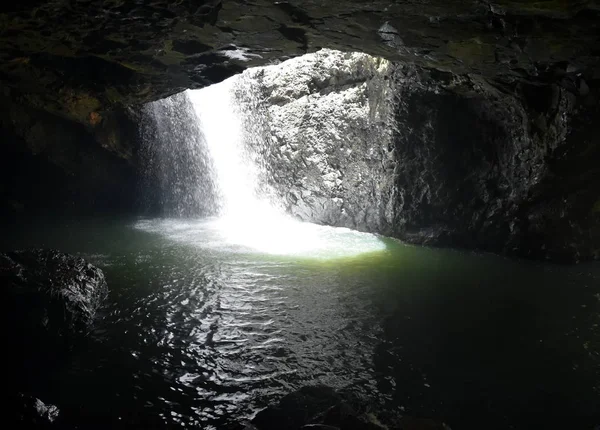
(50, 297)
(326, 123)
(323, 408)
(27, 412)
(531, 64)
(78, 57)
(317, 407)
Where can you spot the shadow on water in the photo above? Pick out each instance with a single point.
(486, 342)
(197, 337)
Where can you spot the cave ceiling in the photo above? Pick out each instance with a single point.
(75, 58)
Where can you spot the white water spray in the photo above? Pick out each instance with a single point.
(249, 218)
(237, 173)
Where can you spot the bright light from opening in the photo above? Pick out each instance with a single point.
(284, 236)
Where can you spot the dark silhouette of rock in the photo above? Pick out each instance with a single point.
(80, 57)
(322, 408)
(50, 293)
(27, 412)
(49, 302)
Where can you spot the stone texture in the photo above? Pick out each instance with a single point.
(27, 412)
(323, 408)
(327, 121)
(49, 295)
(517, 81)
(77, 57)
(50, 302)
(491, 168)
(426, 156)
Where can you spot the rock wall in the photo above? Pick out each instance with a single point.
(535, 65)
(51, 164)
(327, 122)
(492, 168)
(79, 57)
(429, 157)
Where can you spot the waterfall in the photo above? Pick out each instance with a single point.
(243, 193)
(204, 149)
(179, 174)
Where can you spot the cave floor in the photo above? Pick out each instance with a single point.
(196, 335)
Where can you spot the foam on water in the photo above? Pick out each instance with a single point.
(281, 236)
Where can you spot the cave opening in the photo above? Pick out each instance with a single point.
(321, 222)
(209, 157)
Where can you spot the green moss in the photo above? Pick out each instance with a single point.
(113, 95)
(79, 104)
(562, 8)
(596, 207)
(168, 56)
(471, 51)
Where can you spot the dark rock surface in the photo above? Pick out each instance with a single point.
(493, 167)
(323, 408)
(75, 58)
(49, 297)
(27, 412)
(50, 164)
(490, 168)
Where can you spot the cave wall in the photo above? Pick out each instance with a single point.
(51, 165)
(78, 57)
(429, 157)
(494, 168)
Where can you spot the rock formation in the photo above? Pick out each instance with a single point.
(26, 412)
(326, 124)
(493, 143)
(76, 58)
(323, 408)
(50, 299)
(427, 156)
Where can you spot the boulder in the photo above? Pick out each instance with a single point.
(323, 408)
(27, 412)
(51, 293)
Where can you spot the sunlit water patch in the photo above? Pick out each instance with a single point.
(274, 234)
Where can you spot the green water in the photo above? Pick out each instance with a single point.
(198, 333)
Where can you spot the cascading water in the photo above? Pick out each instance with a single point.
(179, 172)
(237, 172)
(249, 216)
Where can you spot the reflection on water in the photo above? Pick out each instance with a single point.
(266, 232)
(198, 336)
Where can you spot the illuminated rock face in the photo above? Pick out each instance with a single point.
(428, 157)
(328, 122)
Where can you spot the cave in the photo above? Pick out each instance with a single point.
(301, 215)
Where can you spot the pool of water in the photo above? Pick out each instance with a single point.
(201, 329)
